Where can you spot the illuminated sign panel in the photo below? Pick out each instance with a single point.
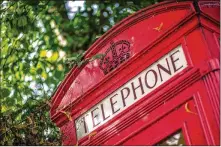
(137, 88)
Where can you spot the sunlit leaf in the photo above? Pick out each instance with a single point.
(60, 67)
(44, 75)
(43, 53)
(4, 108)
(54, 56)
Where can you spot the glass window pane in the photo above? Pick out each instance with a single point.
(175, 139)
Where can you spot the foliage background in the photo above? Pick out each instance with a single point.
(37, 38)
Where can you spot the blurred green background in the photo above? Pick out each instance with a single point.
(37, 39)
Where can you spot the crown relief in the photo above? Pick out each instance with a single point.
(116, 54)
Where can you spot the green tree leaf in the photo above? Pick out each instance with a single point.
(4, 92)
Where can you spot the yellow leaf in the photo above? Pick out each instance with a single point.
(60, 67)
(4, 108)
(41, 142)
(39, 65)
(76, 144)
(54, 56)
(67, 114)
(44, 75)
(159, 27)
(32, 70)
(188, 110)
(92, 134)
(46, 38)
(17, 75)
(43, 53)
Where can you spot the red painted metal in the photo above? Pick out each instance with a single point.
(193, 25)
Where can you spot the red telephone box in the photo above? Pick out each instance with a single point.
(157, 82)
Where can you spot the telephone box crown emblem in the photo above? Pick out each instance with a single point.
(116, 54)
